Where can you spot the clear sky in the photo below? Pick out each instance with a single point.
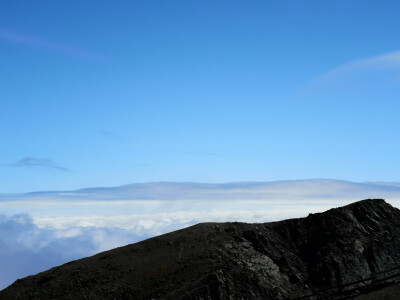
(105, 93)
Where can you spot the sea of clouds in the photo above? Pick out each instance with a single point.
(43, 230)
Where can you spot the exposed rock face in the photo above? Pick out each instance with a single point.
(352, 251)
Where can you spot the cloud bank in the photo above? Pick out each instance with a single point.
(29, 246)
(41, 230)
(26, 249)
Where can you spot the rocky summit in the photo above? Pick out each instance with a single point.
(343, 253)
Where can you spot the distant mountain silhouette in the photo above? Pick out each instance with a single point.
(347, 252)
(317, 189)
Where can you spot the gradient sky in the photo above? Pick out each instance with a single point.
(100, 93)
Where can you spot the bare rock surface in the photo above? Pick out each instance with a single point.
(347, 252)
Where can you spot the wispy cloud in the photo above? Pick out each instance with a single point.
(30, 162)
(380, 63)
(385, 61)
(110, 135)
(40, 43)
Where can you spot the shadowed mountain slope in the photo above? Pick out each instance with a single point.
(352, 251)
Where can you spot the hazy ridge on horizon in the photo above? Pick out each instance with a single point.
(164, 190)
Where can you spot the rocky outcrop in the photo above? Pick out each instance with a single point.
(352, 251)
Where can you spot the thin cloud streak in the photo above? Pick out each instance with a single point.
(50, 46)
(30, 162)
(381, 62)
(385, 62)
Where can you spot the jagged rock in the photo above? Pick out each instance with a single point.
(352, 251)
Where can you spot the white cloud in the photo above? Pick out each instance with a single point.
(31, 245)
(26, 249)
(387, 63)
(41, 230)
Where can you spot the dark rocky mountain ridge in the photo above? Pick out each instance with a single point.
(343, 253)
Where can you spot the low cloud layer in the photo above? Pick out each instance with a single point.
(42, 230)
(31, 245)
(26, 249)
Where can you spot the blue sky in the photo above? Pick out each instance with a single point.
(96, 93)
(100, 93)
